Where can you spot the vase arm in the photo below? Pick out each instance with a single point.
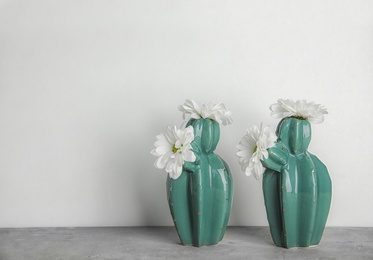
(192, 166)
(277, 158)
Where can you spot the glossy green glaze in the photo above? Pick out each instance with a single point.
(297, 187)
(200, 199)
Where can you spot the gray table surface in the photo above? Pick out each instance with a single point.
(163, 243)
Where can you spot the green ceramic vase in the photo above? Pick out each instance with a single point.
(200, 199)
(297, 187)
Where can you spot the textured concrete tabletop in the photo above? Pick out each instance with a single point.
(163, 243)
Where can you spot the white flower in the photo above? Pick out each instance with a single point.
(302, 109)
(253, 148)
(173, 148)
(209, 110)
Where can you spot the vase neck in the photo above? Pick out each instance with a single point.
(295, 134)
(206, 134)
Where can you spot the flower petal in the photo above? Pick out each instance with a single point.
(173, 148)
(258, 139)
(208, 110)
(301, 108)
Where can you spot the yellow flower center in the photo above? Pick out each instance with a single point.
(255, 148)
(175, 149)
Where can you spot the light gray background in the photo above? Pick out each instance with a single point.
(85, 86)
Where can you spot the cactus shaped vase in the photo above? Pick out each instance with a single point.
(200, 199)
(297, 187)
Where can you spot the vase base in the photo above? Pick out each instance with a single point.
(199, 245)
(298, 247)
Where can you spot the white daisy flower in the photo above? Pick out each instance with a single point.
(301, 109)
(209, 110)
(253, 148)
(173, 148)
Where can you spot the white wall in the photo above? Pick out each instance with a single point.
(86, 85)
